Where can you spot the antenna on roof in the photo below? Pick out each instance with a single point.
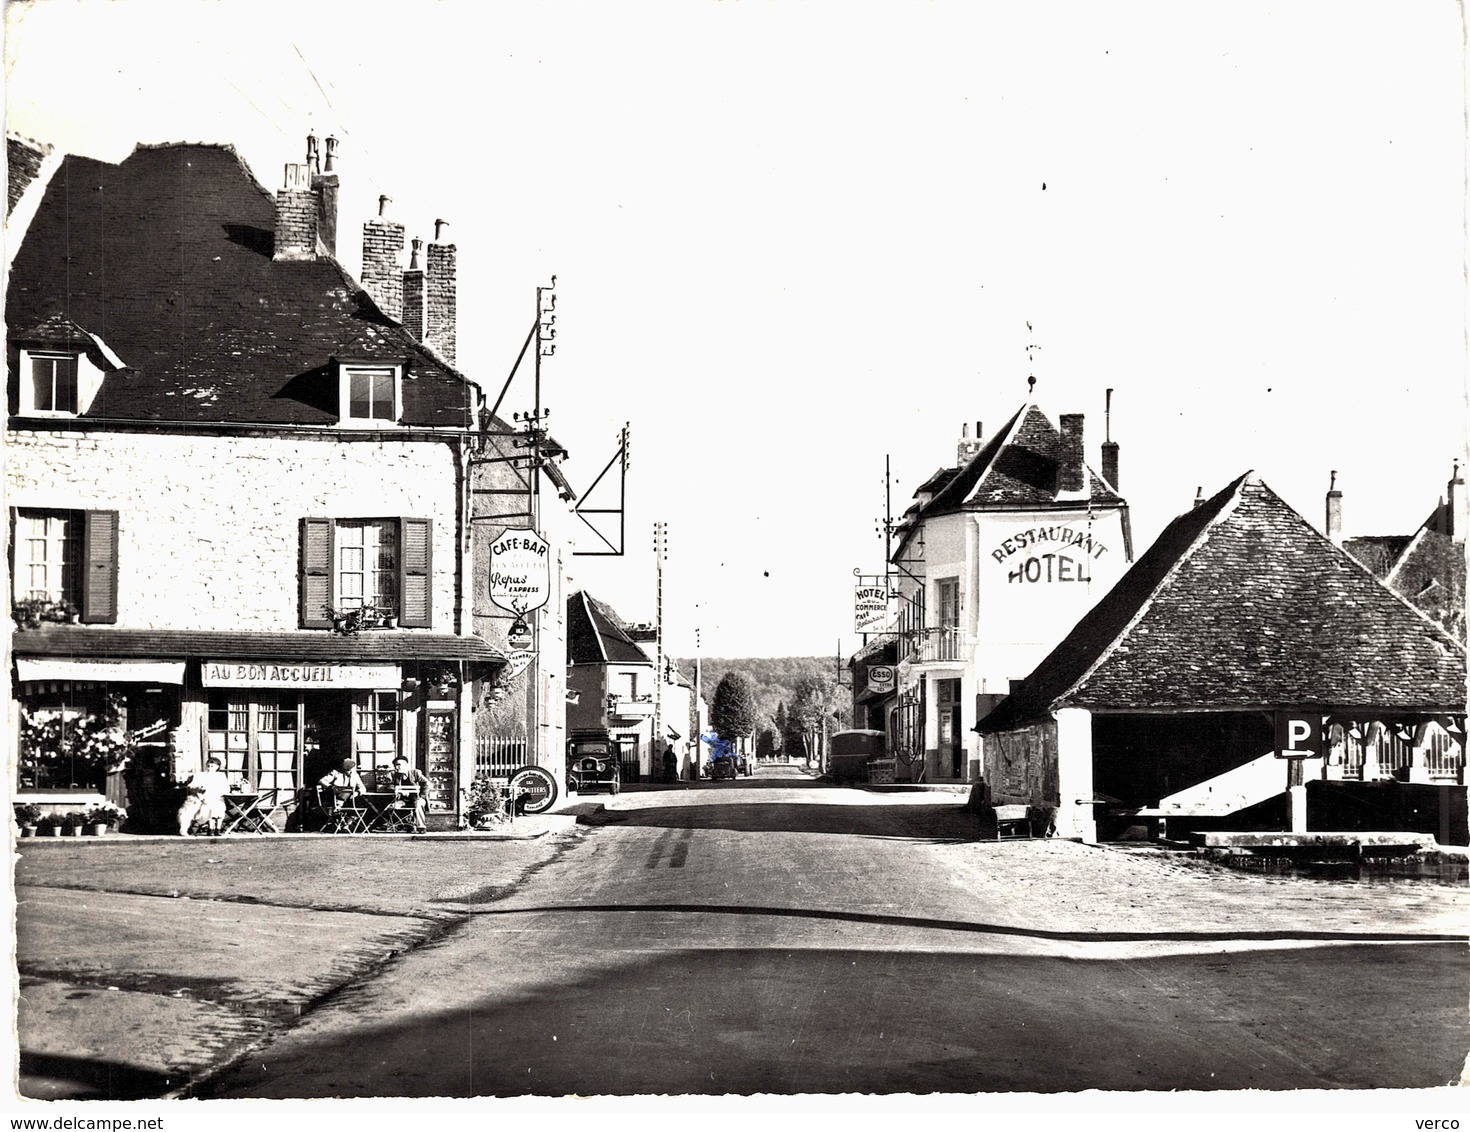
(1031, 348)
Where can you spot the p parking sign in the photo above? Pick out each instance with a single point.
(1298, 735)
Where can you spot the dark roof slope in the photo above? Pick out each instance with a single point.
(595, 634)
(1241, 603)
(23, 160)
(167, 257)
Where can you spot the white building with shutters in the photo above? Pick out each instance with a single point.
(239, 490)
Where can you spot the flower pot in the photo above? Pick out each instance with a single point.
(72, 831)
(50, 831)
(28, 831)
(97, 828)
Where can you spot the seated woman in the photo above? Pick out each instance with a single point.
(204, 800)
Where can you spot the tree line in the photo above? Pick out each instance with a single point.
(782, 705)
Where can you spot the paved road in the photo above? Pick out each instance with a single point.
(775, 935)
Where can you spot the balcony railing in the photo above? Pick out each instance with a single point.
(944, 642)
(640, 706)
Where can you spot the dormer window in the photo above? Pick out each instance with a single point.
(371, 395)
(50, 387)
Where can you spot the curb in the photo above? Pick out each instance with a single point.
(548, 823)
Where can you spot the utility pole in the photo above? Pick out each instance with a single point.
(660, 551)
(534, 423)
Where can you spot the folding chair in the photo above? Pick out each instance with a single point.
(397, 816)
(343, 815)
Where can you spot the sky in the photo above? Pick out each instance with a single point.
(794, 239)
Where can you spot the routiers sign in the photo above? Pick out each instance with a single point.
(520, 570)
(518, 660)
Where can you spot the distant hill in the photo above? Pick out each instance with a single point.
(775, 678)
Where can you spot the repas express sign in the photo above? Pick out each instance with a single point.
(520, 570)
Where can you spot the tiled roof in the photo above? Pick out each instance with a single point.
(595, 634)
(1017, 466)
(1241, 603)
(1379, 553)
(167, 257)
(174, 644)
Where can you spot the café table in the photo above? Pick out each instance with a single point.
(250, 813)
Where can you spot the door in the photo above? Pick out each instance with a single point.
(259, 737)
(951, 732)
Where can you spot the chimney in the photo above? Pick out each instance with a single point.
(296, 216)
(1071, 474)
(1199, 496)
(325, 185)
(413, 294)
(968, 448)
(440, 295)
(382, 255)
(1457, 505)
(1334, 511)
(311, 155)
(1110, 446)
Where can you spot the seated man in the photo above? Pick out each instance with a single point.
(205, 797)
(345, 782)
(405, 778)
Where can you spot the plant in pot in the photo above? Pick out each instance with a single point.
(102, 818)
(33, 612)
(72, 823)
(28, 817)
(48, 825)
(483, 807)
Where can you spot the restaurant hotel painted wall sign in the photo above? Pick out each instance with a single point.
(520, 570)
(1049, 553)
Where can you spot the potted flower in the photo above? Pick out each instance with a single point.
(28, 817)
(483, 806)
(100, 818)
(72, 823)
(48, 825)
(32, 612)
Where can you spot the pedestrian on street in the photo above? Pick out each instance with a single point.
(204, 800)
(671, 765)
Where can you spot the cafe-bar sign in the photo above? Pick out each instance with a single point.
(520, 570)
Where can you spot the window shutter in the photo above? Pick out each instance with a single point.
(316, 573)
(415, 556)
(99, 567)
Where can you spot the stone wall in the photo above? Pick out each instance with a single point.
(209, 526)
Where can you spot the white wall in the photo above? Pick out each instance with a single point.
(209, 526)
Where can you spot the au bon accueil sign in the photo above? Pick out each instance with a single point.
(520, 570)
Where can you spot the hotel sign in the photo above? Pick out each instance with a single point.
(267, 674)
(870, 609)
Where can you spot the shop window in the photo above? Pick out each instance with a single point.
(375, 731)
(351, 564)
(258, 738)
(66, 557)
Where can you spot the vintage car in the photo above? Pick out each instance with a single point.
(850, 753)
(727, 766)
(593, 765)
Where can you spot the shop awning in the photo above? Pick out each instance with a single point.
(99, 671)
(100, 643)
